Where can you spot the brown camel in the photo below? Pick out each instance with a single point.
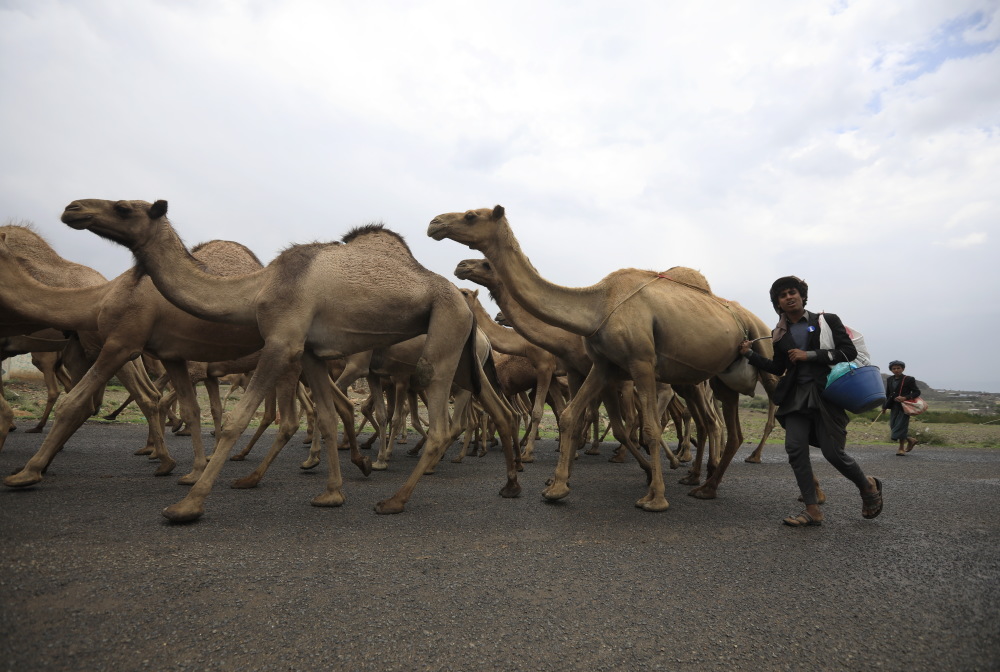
(45, 348)
(637, 324)
(543, 362)
(313, 302)
(132, 317)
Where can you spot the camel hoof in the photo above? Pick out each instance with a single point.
(690, 479)
(653, 505)
(752, 460)
(309, 463)
(511, 490)
(148, 450)
(457, 460)
(328, 499)
(33, 430)
(617, 458)
(246, 483)
(307, 440)
(238, 457)
(592, 451)
(189, 479)
(182, 432)
(22, 479)
(380, 465)
(182, 513)
(365, 465)
(166, 466)
(387, 506)
(703, 493)
(555, 491)
(528, 459)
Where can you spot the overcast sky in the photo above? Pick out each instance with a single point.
(855, 144)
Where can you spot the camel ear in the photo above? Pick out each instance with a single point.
(475, 293)
(158, 209)
(498, 212)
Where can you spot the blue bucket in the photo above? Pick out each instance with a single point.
(857, 391)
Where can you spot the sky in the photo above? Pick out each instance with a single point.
(855, 144)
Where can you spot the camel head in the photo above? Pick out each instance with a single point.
(475, 228)
(479, 271)
(128, 223)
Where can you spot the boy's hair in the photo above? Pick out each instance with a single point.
(787, 282)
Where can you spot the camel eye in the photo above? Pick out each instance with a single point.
(469, 216)
(122, 208)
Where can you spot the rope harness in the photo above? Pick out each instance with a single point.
(664, 276)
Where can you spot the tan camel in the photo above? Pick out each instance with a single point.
(313, 302)
(542, 361)
(37, 258)
(132, 317)
(637, 324)
(569, 349)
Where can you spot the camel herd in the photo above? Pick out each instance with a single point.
(321, 316)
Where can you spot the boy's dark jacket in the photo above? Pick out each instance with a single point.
(818, 369)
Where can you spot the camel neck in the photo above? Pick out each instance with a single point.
(183, 282)
(574, 309)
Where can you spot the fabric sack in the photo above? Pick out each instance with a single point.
(914, 406)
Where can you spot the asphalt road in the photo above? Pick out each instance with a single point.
(93, 578)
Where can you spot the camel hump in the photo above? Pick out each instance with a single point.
(43, 263)
(226, 258)
(688, 276)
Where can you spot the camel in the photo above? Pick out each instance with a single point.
(636, 324)
(43, 264)
(132, 317)
(45, 348)
(509, 342)
(313, 302)
(568, 348)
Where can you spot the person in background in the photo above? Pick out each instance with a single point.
(807, 418)
(899, 388)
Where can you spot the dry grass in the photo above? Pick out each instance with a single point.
(27, 397)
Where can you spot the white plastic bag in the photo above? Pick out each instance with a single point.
(826, 342)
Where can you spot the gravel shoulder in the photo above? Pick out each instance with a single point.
(93, 578)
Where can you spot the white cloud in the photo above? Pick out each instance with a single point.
(745, 140)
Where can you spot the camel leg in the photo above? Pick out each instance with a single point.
(76, 408)
(284, 394)
(571, 423)
(6, 417)
(650, 432)
(379, 422)
(269, 417)
(706, 422)
(190, 414)
(468, 427)
(275, 358)
(734, 439)
(621, 432)
(463, 421)
(47, 365)
(411, 399)
(754, 457)
(537, 409)
(317, 375)
(214, 403)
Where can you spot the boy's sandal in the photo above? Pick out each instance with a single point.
(802, 520)
(871, 503)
